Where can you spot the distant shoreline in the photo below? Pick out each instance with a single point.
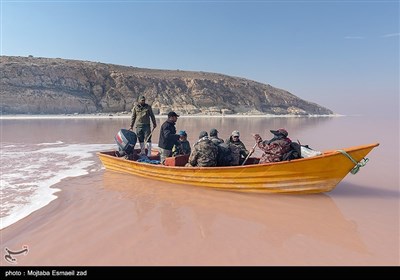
(128, 116)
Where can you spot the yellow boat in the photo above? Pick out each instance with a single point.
(306, 175)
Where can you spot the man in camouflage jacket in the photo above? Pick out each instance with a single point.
(275, 148)
(204, 152)
(234, 140)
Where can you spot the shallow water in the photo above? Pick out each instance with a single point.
(358, 222)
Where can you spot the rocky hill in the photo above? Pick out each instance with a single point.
(31, 85)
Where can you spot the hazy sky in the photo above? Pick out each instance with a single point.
(343, 55)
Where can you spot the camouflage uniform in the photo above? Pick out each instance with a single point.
(182, 149)
(239, 144)
(273, 149)
(204, 153)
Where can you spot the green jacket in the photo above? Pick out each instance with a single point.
(182, 149)
(142, 114)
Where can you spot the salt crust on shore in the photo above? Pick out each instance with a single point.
(128, 116)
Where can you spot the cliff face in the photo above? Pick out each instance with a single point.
(31, 85)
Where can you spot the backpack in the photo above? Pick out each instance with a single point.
(294, 152)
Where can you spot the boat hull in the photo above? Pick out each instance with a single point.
(308, 175)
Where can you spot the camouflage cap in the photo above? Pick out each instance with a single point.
(280, 131)
(142, 98)
(235, 133)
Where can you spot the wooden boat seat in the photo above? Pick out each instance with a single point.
(180, 160)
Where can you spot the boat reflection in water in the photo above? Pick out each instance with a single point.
(244, 221)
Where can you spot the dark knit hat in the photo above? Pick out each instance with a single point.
(213, 132)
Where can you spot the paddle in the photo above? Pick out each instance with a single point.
(145, 141)
(251, 152)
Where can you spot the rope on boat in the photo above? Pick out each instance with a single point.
(357, 166)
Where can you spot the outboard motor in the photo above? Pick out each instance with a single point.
(126, 141)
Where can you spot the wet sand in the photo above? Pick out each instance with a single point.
(108, 218)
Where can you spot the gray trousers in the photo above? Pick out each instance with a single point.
(164, 154)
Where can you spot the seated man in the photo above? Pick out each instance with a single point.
(234, 140)
(183, 145)
(204, 152)
(275, 148)
(214, 137)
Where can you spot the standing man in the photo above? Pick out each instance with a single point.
(141, 113)
(168, 136)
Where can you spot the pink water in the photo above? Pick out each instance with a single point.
(356, 224)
